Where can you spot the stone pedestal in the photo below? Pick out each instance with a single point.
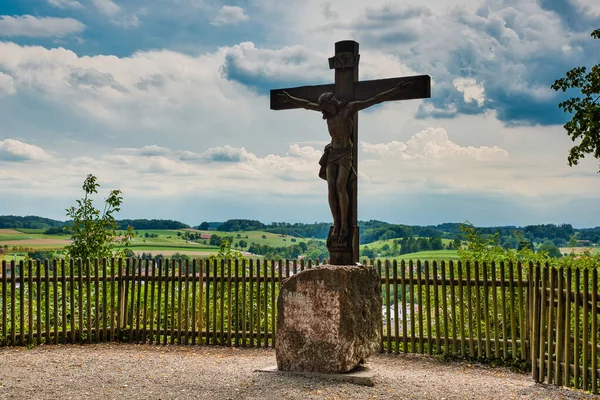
(328, 319)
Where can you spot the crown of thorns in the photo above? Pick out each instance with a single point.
(325, 98)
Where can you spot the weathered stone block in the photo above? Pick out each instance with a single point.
(328, 319)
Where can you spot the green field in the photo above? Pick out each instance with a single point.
(380, 243)
(35, 231)
(165, 240)
(429, 255)
(437, 255)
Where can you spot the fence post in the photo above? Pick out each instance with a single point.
(121, 299)
(535, 321)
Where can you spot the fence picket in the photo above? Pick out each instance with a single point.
(461, 311)
(486, 311)
(550, 336)
(453, 309)
(166, 304)
(427, 305)
(138, 304)
(273, 302)
(178, 284)
(513, 319)
(31, 278)
(404, 309)
(237, 303)
(201, 286)
(445, 310)
(412, 306)
(559, 329)
(13, 302)
(244, 305)
(88, 299)
(542, 331)
(576, 353)
(266, 297)
(38, 279)
(381, 336)
(567, 323)
(477, 311)
(594, 331)
(585, 347)
(535, 326)
(134, 307)
(388, 325)
(495, 310)
(470, 311)
(97, 300)
(420, 301)
(4, 303)
(503, 306)
(228, 342)
(252, 302)
(522, 309)
(258, 305)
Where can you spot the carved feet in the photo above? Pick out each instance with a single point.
(339, 236)
(343, 234)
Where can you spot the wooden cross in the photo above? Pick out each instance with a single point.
(347, 87)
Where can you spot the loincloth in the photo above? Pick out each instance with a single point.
(341, 157)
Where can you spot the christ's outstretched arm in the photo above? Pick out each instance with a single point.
(286, 97)
(380, 98)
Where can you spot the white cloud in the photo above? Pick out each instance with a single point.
(117, 15)
(471, 90)
(229, 15)
(7, 85)
(14, 150)
(28, 25)
(285, 64)
(65, 3)
(434, 144)
(589, 6)
(154, 150)
(107, 7)
(226, 154)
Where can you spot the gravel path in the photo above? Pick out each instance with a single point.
(123, 371)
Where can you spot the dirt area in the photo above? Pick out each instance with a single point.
(5, 231)
(575, 250)
(114, 371)
(25, 242)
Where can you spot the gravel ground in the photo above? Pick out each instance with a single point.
(123, 371)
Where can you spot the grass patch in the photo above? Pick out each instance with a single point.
(429, 255)
(34, 231)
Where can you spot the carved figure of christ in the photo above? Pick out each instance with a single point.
(337, 160)
(340, 103)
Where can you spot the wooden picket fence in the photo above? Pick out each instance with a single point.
(565, 345)
(509, 311)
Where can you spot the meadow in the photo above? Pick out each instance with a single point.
(16, 242)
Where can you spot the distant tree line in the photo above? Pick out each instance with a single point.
(234, 225)
(28, 222)
(151, 224)
(372, 231)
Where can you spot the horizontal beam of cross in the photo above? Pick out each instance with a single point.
(363, 90)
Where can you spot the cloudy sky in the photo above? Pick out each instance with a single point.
(167, 100)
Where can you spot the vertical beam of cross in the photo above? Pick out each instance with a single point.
(345, 63)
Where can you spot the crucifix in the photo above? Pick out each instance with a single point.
(339, 104)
